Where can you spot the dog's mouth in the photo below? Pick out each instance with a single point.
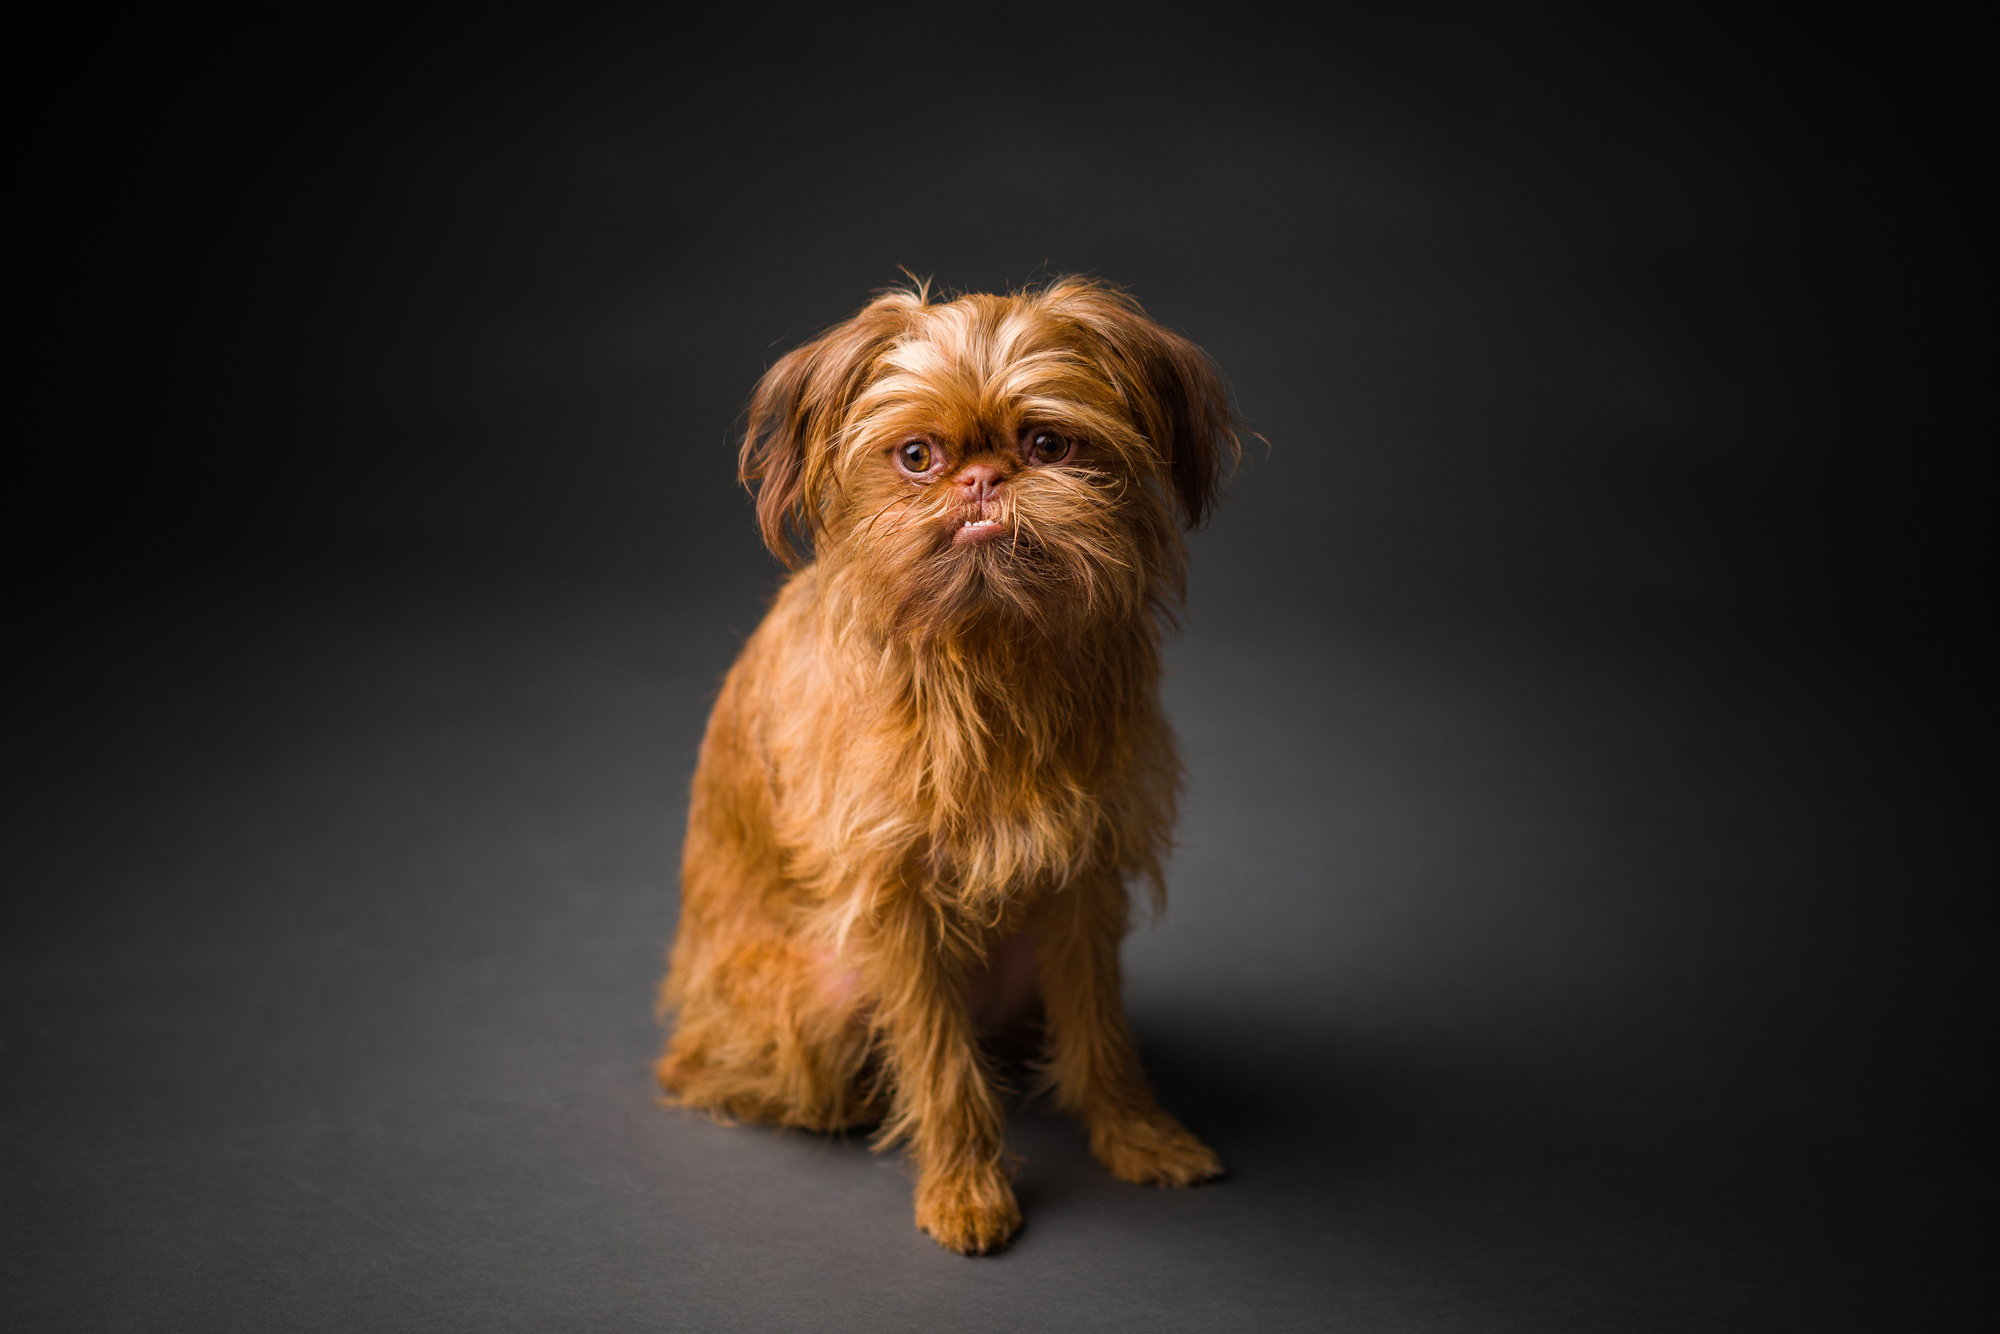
(977, 530)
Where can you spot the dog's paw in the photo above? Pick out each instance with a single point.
(1153, 1150)
(973, 1213)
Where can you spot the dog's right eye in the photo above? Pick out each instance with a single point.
(914, 455)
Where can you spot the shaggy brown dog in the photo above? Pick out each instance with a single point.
(942, 758)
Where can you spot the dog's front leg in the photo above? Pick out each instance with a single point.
(1092, 1062)
(943, 1102)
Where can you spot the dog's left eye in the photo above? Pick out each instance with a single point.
(1047, 447)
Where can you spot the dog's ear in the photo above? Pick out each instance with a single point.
(1169, 384)
(795, 417)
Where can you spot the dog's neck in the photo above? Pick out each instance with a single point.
(1013, 740)
(996, 670)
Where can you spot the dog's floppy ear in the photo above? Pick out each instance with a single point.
(1169, 384)
(796, 414)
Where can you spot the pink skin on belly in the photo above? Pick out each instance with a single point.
(839, 985)
(997, 996)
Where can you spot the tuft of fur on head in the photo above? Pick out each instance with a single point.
(1090, 541)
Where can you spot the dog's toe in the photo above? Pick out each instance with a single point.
(973, 1214)
(1154, 1151)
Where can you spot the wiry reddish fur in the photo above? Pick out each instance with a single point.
(935, 759)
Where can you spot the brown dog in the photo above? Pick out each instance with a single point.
(942, 758)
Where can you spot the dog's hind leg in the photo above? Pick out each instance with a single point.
(761, 1034)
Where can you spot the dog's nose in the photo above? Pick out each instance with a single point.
(979, 481)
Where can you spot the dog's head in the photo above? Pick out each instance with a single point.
(1027, 459)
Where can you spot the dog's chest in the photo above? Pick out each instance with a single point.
(1003, 813)
(976, 812)
(978, 783)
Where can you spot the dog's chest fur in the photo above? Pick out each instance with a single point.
(980, 772)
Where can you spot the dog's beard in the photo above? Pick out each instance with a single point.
(1068, 557)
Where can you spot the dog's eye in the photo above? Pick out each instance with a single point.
(914, 455)
(1047, 447)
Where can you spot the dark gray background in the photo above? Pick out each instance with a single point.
(1573, 927)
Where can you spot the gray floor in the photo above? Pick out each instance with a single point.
(1527, 975)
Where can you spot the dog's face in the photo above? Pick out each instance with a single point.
(1024, 460)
